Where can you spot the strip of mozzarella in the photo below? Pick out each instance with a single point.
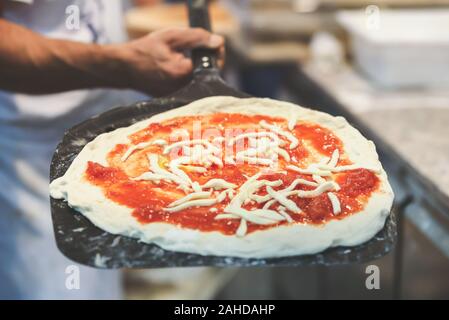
(295, 182)
(159, 142)
(337, 186)
(318, 178)
(283, 200)
(195, 169)
(173, 166)
(250, 181)
(336, 207)
(242, 229)
(186, 151)
(191, 196)
(349, 167)
(324, 160)
(294, 142)
(248, 200)
(268, 204)
(271, 135)
(142, 145)
(284, 154)
(327, 186)
(259, 184)
(260, 149)
(150, 176)
(131, 150)
(253, 142)
(247, 191)
(191, 142)
(196, 187)
(154, 166)
(214, 159)
(310, 170)
(255, 160)
(287, 217)
(274, 183)
(334, 158)
(260, 199)
(291, 123)
(222, 216)
(192, 203)
(198, 153)
(229, 160)
(258, 216)
(222, 196)
(218, 139)
(268, 214)
(245, 214)
(219, 184)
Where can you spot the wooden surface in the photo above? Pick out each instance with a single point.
(140, 21)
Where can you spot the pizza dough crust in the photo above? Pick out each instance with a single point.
(285, 240)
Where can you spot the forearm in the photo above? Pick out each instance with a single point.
(31, 63)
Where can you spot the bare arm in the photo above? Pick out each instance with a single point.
(34, 64)
(31, 63)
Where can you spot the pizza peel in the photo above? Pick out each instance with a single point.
(81, 241)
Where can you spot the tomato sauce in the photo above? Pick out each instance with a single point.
(148, 199)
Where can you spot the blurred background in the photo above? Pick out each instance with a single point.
(384, 65)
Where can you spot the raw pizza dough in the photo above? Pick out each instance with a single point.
(283, 240)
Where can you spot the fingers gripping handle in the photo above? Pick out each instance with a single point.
(202, 58)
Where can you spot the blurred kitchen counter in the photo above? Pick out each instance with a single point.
(265, 35)
(413, 122)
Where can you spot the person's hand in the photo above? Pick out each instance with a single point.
(157, 63)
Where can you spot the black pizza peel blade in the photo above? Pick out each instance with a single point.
(81, 241)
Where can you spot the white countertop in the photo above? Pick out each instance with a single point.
(415, 122)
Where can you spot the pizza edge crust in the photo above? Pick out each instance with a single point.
(285, 240)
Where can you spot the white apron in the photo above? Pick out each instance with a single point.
(31, 267)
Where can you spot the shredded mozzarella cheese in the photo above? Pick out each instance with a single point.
(191, 196)
(327, 186)
(192, 203)
(242, 229)
(271, 135)
(310, 170)
(222, 216)
(150, 176)
(285, 215)
(264, 149)
(282, 199)
(219, 184)
(334, 158)
(159, 142)
(209, 145)
(349, 167)
(293, 140)
(336, 208)
(154, 166)
(131, 150)
(291, 123)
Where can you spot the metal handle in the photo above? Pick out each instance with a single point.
(202, 58)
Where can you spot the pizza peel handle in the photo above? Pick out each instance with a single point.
(206, 80)
(202, 58)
